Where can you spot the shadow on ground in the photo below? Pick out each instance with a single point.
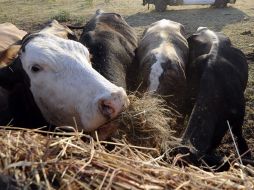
(213, 18)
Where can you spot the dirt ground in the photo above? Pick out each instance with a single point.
(236, 21)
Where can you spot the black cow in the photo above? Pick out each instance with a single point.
(112, 43)
(5, 115)
(217, 76)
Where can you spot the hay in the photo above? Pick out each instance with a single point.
(148, 122)
(37, 159)
(76, 161)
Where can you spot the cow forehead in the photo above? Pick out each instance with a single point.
(165, 24)
(109, 19)
(46, 48)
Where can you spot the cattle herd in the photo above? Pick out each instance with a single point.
(52, 78)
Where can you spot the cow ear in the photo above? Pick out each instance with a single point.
(9, 55)
(71, 35)
(182, 30)
(26, 39)
(10, 74)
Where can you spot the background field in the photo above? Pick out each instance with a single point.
(236, 21)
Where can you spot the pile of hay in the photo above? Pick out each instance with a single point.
(148, 122)
(36, 159)
(76, 161)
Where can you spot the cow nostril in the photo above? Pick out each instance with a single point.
(106, 109)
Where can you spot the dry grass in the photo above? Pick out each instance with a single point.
(76, 161)
(148, 122)
(38, 159)
(29, 14)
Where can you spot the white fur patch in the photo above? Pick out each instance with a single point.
(155, 73)
(166, 49)
(164, 24)
(215, 41)
(201, 28)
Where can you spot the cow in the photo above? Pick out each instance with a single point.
(52, 82)
(10, 35)
(162, 56)
(10, 43)
(112, 43)
(217, 75)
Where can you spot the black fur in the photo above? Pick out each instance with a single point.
(112, 43)
(22, 108)
(216, 83)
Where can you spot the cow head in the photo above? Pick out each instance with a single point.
(200, 42)
(63, 83)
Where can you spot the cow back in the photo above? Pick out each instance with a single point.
(9, 34)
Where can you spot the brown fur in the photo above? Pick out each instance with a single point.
(9, 34)
(9, 55)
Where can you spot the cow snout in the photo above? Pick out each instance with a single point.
(111, 106)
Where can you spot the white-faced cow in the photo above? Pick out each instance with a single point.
(216, 76)
(162, 56)
(10, 44)
(112, 43)
(53, 81)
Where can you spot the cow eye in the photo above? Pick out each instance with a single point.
(36, 68)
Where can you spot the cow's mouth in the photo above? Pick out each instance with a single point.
(106, 130)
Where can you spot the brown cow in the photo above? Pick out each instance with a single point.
(54, 27)
(9, 35)
(10, 38)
